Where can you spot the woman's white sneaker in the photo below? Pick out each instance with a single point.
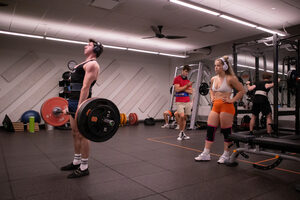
(202, 157)
(223, 159)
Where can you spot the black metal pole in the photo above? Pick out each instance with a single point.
(256, 68)
(256, 80)
(282, 88)
(275, 81)
(234, 55)
(288, 89)
(297, 124)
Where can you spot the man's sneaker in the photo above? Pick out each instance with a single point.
(180, 136)
(202, 157)
(69, 167)
(185, 137)
(79, 173)
(223, 159)
(177, 127)
(165, 126)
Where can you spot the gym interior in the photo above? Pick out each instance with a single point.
(146, 44)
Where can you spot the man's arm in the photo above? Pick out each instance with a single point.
(91, 74)
(270, 85)
(183, 88)
(250, 87)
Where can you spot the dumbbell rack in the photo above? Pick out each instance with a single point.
(65, 84)
(65, 92)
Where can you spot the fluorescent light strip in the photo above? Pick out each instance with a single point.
(260, 69)
(64, 40)
(21, 34)
(172, 55)
(185, 4)
(85, 43)
(238, 21)
(114, 47)
(195, 7)
(142, 51)
(269, 31)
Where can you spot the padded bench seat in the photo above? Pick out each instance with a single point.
(289, 145)
(243, 136)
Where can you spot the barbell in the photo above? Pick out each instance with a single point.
(97, 119)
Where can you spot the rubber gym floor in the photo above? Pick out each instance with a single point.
(139, 162)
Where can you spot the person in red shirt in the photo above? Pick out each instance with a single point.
(183, 89)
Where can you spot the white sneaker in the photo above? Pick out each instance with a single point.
(185, 137)
(223, 159)
(165, 126)
(202, 157)
(177, 127)
(180, 136)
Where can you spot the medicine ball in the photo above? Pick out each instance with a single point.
(25, 116)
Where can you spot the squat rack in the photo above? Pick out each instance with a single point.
(276, 44)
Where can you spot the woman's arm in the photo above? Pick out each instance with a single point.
(236, 84)
(212, 93)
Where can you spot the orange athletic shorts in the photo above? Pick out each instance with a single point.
(220, 106)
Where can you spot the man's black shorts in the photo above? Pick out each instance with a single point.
(265, 108)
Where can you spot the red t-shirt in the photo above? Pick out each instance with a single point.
(181, 96)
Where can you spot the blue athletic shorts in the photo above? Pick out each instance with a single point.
(72, 106)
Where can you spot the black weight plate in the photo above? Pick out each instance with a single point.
(204, 89)
(66, 75)
(98, 106)
(96, 126)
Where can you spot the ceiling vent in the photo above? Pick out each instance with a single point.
(105, 4)
(209, 28)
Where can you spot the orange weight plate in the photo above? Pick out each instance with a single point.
(49, 116)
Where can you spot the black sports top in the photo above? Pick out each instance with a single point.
(260, 86)
(77, 76)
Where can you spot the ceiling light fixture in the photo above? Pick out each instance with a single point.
(64, 40)
(260, 69)
(172, 55)
(21, 34)
(189, 5)
(142, 51)
(85, 43)
(114, 47)
(238, 21)
(270, 31)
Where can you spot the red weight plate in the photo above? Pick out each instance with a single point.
(131, 119)
(137, 119)
(47, 111)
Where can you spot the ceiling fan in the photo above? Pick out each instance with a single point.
(158, 34)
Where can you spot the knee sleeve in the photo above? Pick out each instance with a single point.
(210, 136)
(226, 132)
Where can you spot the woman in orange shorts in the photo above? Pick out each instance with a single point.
(223, 111)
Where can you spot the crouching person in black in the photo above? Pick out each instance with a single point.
(261, 102)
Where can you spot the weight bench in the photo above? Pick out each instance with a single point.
(264, 146)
